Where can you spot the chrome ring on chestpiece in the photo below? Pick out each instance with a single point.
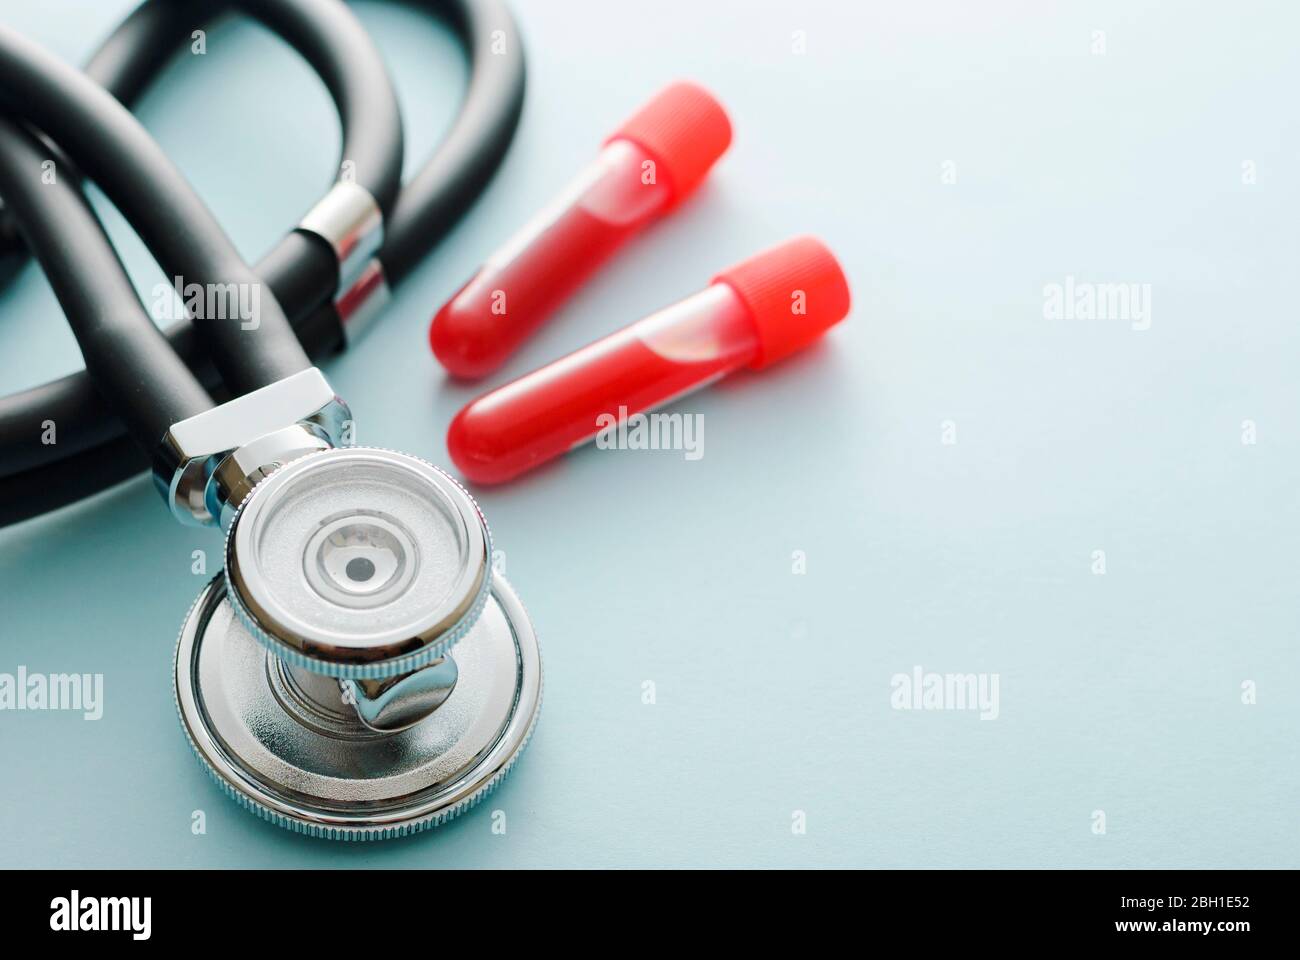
(358, 563)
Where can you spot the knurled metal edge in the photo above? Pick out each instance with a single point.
(359, 833)
(364, 671)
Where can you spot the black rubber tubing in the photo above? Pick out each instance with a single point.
(324, 32)
(127, 356)
(107, 143)
(336, 45)
(427, 207)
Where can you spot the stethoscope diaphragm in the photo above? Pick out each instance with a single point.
(358, 562)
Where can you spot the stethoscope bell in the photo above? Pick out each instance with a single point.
(315, 677)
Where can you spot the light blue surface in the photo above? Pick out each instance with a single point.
(1120, 692)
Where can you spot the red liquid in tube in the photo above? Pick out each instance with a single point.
(658, 157)
(750, 316)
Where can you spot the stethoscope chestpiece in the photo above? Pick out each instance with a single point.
(316, 677)
(358, 563)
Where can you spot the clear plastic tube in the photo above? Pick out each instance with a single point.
(752, 315)
(539, 268)
(650, 164)
(565, 404)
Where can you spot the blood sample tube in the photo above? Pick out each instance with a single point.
(753, 314)
(657, 158)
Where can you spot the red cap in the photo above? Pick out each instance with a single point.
(795, 292)
(684, 130)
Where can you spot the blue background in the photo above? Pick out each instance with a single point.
(1119, 692)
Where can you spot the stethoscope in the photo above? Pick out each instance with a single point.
(314, 677)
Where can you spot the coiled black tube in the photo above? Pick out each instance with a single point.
(31, 477)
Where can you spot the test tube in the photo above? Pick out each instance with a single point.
(754, 314)
(646, 168)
